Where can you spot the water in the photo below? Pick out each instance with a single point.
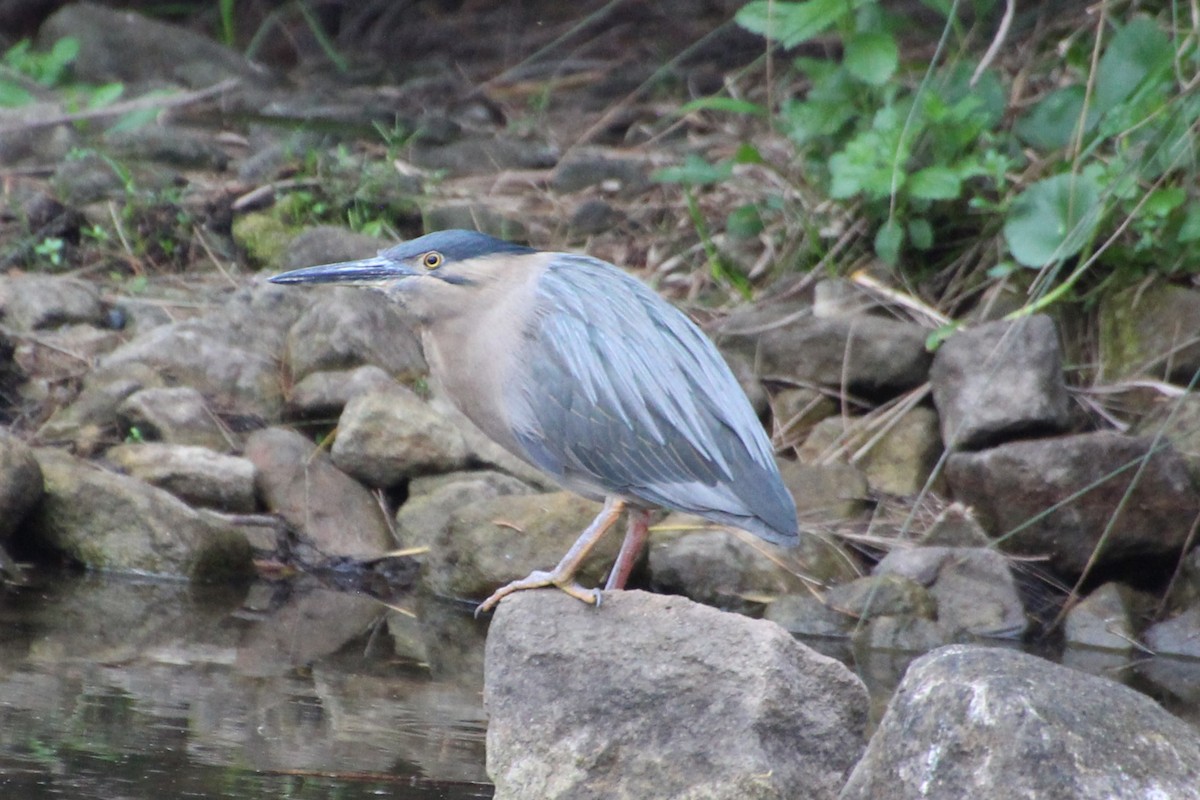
(121, 689)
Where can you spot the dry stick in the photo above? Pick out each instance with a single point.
(993, 50)
(199, 234)
(1183, 551)
(140, 104)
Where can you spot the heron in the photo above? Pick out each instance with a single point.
(586, 373)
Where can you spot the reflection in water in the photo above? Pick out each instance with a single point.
(119, 688)
(114, 688)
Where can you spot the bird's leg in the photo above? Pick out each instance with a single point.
(635, 538)
(563, 576)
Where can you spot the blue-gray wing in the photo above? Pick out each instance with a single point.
(622, 392)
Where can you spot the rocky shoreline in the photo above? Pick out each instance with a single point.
(211, 426)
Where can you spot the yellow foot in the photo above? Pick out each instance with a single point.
(539, 580)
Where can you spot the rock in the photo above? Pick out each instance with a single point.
(840, 297)
(129, 48)
(114, 522)
(347, 327)
(825, 492)
(1058, 497)
(196, 475)
(36, 302)
(387, 435)
(168, 144)
(485, 155)
(973, 587)
(681, 702)
(982, 723)
(882, 595)
(864, 354)
(20, 483)
(805, 615)
(594, 216)
(230, 355)
(797, 410)
(328, 244)
(904, 457)
(331, 512)
(955, 526)
(1178, 419)
(490, 542)
(1146, 330)
(621, 175)
(91, 419)
(1000, 381)
(61, 354)
(84, 180)
(1101, 620)
(1178, 636)
(263, 237)
(824, 442)
(734, 570)
(900, 634)
(1178, 677)
(324, 394)
(178, 415)
(432, 500)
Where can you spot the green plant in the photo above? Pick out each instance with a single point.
(51, 68)
(1098, 171)
(51, 248)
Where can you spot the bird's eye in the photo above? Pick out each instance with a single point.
(431, 260)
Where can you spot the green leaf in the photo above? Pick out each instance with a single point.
(938, 335)
(1189, 231)
(729, 105)
(747, 154)
(920, 233)
(105, 95)
(12, 95)
(791, 24)
(1138, 51)
(935, 183)
(1162, 202)
(744, 222)
(872, 57)
(694, 171)
(1002, 270)
(1051, 124)
(888, 241)
(1053, 219)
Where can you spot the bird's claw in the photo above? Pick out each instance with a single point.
(539, 580)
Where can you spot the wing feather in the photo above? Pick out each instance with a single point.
(621, 392)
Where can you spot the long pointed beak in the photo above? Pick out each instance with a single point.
(367, 271)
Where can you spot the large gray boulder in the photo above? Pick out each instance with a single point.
(388, 434)
(1074, 499)
(650, 696)
(868, 354)
(1002, 380)
(983, 723)
(115, 522)
(330, 512)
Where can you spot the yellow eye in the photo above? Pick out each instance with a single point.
(431, 260)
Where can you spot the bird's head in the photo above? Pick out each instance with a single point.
(453, 258)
